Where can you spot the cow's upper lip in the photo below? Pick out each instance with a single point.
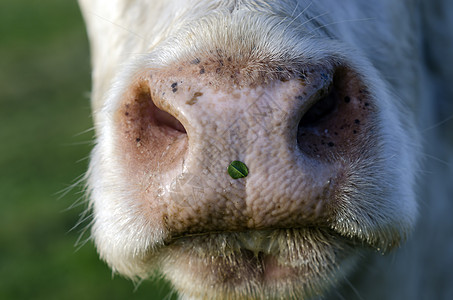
(258, 240)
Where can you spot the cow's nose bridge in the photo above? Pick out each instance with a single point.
(199, 105)
(236, 114)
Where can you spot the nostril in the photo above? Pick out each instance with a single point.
(339, 119)
(165, 120)
(142, 111)
(321, 109)
(150, 137)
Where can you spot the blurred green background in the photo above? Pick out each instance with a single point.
(45, 136)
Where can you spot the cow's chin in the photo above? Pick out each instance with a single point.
(288, 263)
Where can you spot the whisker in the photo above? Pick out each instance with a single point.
(117, 25)
(83, 159)
(434, 158)
(76, 182)
(355, 291)
(296, 17)
(312, 19)
(87, 142)
(91, 129)
(84, 216)
(437, 124)
(339, 22)
(295, 8)
(81, 241)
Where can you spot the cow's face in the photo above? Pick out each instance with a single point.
(182, 92)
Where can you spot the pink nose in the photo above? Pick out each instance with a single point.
(184, 125)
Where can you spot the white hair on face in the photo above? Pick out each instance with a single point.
(118, 202)
(376, 204)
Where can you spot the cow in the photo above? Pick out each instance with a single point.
(250, 149)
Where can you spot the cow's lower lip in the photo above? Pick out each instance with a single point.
(266, 268)
(298, 259)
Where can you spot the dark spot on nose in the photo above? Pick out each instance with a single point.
(194, 99)
(202, 70)
(174, 87)
(196, 61)
(330, 144)
(357, 121)
(347, 99)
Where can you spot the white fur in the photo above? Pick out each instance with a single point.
(380, 40)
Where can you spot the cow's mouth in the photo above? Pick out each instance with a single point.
(303, 261)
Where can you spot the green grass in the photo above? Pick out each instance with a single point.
(44, 112)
